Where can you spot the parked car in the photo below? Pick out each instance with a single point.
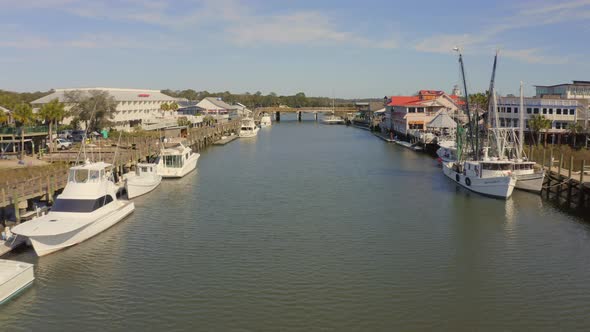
(65, 134)
(61, 144)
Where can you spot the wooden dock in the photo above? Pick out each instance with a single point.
(24, 184)
(225, 140)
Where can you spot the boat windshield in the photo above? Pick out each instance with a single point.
(496, 166)
(85, 175)
(173, 161)
(80, 205)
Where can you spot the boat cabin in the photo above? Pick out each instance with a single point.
(145, 169)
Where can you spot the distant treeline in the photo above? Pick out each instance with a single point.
(259, 100)
(10, 99)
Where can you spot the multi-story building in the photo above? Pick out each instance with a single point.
(561, 112)
(135, 107)
(408, 114)
(575, 90)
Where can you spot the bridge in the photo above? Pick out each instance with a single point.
(343, 110)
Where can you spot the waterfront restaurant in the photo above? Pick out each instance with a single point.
(407, 115)
(217, 108)
(135, 107)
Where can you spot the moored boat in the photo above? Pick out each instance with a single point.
(249, 128)
(265, 120)
(176, 160)
(88, 206)
(143, 180)
(14, 278)
(489, 178)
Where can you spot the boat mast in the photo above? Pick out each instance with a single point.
(472, 128)
(491, 90)
(521, 123)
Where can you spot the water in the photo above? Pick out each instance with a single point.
(310, 227)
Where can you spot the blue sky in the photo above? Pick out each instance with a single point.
(351, 49)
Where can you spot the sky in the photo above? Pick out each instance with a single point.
(341, 48)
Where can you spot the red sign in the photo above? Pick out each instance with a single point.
(143, 95)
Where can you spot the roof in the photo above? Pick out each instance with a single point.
(404, 100)
(217, 101)
(443, 120)
(431, 92)
(94, 166)
(118, 94)
(562, 84)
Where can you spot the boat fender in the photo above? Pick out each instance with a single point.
(468, 181)
(458, 178)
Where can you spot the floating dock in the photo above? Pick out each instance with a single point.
(225, 140)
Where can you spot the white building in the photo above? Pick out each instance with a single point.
(135, 107)
(575, 90)
(217, 108)
(561, 112)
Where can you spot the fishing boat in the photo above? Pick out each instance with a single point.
(265, 120)
(176, 160)
(483, 175)
(249, 128)
(143, 180)
(14, 278)
(88, 206)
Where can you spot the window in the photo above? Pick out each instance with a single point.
(526, 124)
(558, 111)
(544, 111)
(550, 111)
(536, 110)
(572, 111)
(420, 109)
(502, 122)
(78, 175)
(515, 123)
(529, 110)
(80, 205)
(173, 161)
(516, 110)
(411, 110)
(508, 109)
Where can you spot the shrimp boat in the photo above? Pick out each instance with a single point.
(485, 176)
(88, 206)
(176, 160)
(143, 180)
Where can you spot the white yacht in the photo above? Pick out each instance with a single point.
(332, 119)
(488, 177)
(87, 206)
(265, 120)
(249, 128)
(143, 180)
(176, 160)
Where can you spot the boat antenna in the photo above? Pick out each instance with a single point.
(83, 147)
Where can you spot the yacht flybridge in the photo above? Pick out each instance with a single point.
(87, 206)
(176, 160)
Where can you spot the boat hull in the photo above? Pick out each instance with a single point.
(498, 187)
(248, 133)
(45, 245)
(530, 182)
(15, 277)
(139, 185)
(172, 173)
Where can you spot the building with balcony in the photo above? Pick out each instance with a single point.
(135, 107)
(575, 90)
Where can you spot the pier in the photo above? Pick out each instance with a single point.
(299, 111)
(23, 184)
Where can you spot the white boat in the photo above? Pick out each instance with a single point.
(143, 180)
(87, 206)
(527, 177)
(265, 120)
(249, 128)
(14, 278)
(447, 151)
(176, 160)
(490, 178)
(332, 119)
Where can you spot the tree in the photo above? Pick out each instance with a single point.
(51, 112)
(164, 107)
(183, 122)
(23, 116)
(96, 108)
(3, 117)
(575, 128)
(537, 124)
(173, 106)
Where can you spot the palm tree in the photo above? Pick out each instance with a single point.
(537, 124)
(575, 128)
(23, 116)
(52, 112)
(173, 106)
(164, 107)
(3, 117)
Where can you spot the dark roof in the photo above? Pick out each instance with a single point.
(556, 85)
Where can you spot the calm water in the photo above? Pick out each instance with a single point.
(310, 227)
